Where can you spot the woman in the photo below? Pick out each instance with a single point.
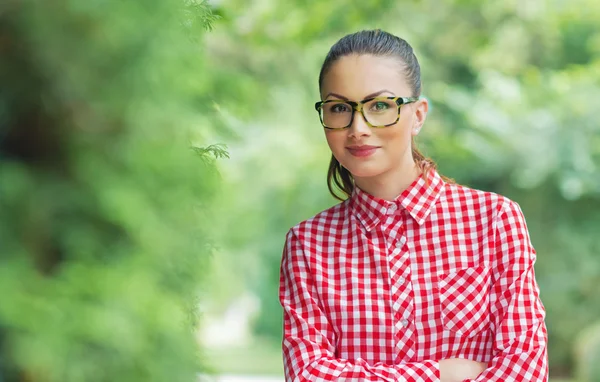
(411, 277)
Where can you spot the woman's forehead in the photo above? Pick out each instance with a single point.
(356, 76)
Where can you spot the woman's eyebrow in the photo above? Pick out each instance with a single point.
(337, 96)
(372, 95)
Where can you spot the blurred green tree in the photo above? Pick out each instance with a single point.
(105, 189)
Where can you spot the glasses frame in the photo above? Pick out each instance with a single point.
(358, 106)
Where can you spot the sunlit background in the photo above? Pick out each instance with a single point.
(153, 155)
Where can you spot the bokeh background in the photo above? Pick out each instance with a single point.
(153, 155)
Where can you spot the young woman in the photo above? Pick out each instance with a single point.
(411, 277)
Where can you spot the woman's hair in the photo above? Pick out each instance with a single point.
(381, 44)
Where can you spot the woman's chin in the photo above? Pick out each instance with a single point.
(364, 171)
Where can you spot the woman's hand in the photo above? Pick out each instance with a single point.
(459, 369)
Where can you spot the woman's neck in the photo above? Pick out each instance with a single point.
(390, 184)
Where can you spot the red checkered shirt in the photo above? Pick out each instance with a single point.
(374, 290)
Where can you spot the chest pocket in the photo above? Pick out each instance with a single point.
(464, 300)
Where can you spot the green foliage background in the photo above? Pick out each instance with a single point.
(112, 197)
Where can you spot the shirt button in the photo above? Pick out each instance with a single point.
(404, 323)
(391, 209)
(401, 280)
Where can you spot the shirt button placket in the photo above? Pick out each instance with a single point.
(398, 246)
(405, 335)
(402, 322)
(391, 209)
(401, 241)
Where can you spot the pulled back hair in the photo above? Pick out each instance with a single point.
(380, 44)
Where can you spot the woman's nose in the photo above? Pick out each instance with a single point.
(359, 126)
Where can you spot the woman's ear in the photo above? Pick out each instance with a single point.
(421, 108)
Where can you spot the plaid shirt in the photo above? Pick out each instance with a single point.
(374, 290)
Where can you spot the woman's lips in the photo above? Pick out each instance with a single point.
(362, 151)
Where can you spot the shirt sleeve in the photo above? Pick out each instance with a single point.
(308, 338)
(520, 342)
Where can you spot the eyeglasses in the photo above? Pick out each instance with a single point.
(338, 114)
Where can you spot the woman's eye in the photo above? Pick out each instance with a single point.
(340, 108)
(380, 106)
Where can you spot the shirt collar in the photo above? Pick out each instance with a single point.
(418, 200)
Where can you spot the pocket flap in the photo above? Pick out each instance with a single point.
(464, 299)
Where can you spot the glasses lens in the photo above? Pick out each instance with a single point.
(336, 114)
(380, 112)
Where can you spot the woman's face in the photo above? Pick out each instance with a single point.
(369, 152)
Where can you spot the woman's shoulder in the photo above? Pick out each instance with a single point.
(471, 198)
(325, 221)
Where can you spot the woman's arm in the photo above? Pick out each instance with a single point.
(517, 312)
